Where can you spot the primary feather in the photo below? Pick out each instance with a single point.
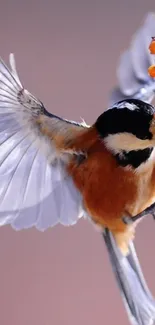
(35, 188)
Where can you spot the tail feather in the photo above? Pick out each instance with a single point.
(139, 303)
(133, 260)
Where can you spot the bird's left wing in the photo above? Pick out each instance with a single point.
(35, 189)
(132, 70)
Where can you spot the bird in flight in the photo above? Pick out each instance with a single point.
(53, 170)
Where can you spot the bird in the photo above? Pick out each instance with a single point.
(54, 170)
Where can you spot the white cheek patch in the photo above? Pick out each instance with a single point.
(125, 141)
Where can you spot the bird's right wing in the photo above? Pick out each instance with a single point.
(35, 189)
(132, 70)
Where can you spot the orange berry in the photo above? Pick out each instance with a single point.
(152, 46)
(151, 71)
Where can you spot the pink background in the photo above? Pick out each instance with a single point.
(66, 54)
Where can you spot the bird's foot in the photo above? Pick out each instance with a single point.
(132, 219)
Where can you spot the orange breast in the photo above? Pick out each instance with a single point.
(110, 191)
(107, 188)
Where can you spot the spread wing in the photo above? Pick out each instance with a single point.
(132, 75)
(35, 189)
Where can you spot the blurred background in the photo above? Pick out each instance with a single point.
(66, 54)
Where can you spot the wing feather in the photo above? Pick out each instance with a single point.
(35, 187)
(132, 71)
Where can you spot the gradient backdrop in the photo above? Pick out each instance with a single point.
(66, 53)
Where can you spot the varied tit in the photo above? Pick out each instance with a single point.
(56, 171)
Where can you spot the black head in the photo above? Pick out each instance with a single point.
(128, 126)
(133, 116)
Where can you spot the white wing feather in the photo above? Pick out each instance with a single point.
(34, 190)
(132, 71)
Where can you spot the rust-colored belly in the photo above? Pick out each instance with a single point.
(111, 192)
